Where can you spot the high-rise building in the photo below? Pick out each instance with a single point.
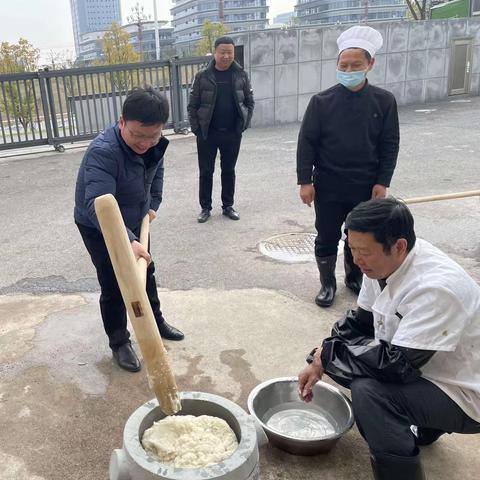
(93, 16)
(188, 17)
(311, 12)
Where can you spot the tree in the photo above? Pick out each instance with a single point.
(19, 99)
(138, 17)
(59, 59)
(210, 32)
(118, 49)
(418, 9)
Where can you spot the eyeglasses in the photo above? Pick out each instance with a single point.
(141, 136)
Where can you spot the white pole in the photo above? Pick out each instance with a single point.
(157, 39)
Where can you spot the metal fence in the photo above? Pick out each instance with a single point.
(62, 106)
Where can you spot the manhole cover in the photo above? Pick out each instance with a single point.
(291, 247)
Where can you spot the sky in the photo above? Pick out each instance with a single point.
(47, 24)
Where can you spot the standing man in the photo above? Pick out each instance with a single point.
(125, 160)
(347, 151)
(410, 353)
(220, 109)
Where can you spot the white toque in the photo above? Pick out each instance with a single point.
(360, 37)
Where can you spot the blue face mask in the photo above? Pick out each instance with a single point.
(351, 79)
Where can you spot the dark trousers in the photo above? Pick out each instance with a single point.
(228, 143)
(330, 213)
(384, 413)
(112, 308)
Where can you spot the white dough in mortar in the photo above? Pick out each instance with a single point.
(187, 441)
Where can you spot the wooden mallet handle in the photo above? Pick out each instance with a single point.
(159, 373)
(446, 196)
(141, 262)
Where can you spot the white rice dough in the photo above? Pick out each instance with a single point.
(187, 441)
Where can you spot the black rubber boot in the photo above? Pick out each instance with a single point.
(393, 467)
(353, 274)
(326, 267)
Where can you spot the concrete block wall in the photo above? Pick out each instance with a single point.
(288, 66)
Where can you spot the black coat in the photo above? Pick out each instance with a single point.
(110, 166)
(348, 140)
(204, 93)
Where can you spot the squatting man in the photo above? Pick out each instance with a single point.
(410, 352)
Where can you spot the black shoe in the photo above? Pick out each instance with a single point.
(203, 216)
(170, 333)
(126, 358)
(231, 213)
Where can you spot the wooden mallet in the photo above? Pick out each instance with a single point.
(131, 278)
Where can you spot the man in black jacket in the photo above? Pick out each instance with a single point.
(220, 109)
(410, 353)
(347, 151)
(125, 160)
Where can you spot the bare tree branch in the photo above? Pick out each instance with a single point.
(418, 9)
(412, 9)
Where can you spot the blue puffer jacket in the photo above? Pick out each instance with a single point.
(110, 166)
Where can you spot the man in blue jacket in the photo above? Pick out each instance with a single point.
(125, 160)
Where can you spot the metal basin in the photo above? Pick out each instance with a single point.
(297, 427)
(132, 462)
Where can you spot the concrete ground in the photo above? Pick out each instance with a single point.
(63, 403)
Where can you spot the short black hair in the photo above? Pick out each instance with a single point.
(147, 106)
(224, 41)
(367, 54)
(387, 219)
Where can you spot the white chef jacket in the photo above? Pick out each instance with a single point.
(431, 303)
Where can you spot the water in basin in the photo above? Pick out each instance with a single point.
(299, 420)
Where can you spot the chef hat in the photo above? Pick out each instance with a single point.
(360, 37)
